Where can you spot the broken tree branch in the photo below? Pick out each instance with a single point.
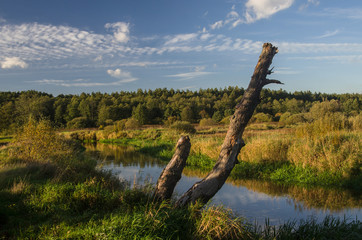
(171, 174)
(205, 189)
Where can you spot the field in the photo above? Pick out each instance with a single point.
(53, 191)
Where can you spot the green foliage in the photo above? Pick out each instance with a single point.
(170, 120)
(156, 106)
(187, 114)
(261, 117)
(140, 113)
(183, 127)
(217, 116)
(132, 123)
(292, 119)
(320, 109)
(38, 142)
(78, 123)
(206, 122)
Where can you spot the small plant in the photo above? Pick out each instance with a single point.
(183, 127)
(206, 122)
(220, 223)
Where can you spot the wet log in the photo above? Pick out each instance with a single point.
(205, 189)
(171, 174)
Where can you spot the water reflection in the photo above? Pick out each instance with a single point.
(256, 200)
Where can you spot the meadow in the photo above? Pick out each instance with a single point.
(51, 190)
(323, 152)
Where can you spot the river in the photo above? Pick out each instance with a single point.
(255, 200)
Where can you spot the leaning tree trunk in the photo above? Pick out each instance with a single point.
(171, 174)
(205, 189)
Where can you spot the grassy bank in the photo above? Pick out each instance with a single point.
(50, 190)
(307, 154)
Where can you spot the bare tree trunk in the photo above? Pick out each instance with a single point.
(171, 174)
(205, 189)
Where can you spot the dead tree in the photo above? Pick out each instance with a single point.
(171, 174)
(205, 189)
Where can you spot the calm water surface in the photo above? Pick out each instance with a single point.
(256, 200)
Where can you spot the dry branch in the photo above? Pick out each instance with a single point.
(171, 174)
(210, 185)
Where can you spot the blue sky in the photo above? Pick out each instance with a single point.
(74, 46)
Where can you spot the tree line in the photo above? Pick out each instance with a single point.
(157, 106)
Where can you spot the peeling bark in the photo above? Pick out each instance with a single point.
(205, 189)
(171, 174)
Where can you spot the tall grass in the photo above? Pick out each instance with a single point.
(52, 198)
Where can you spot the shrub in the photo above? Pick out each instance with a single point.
(170, 120)
(108, 122)
(320, 109)
(120, 125)
(79, 122)
(205, 122)
(184, 127)
(132, 123)
(261, 117)
(325, 124)
(292, 119)
(217, 116)
(38, 142)
(356, 122)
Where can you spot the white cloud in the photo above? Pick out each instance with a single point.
(286, 71)
(217, 25)
(199, 68)
(336, 58)
(309, 3)
(118, 73)
(300, 48)
(2, 20)
(98, 58)
(189, 75)
(205, 36)
(12, 62)
(328, 34)
(120, 31)
(81, 82)
(260, 9)
(352, 13)
(181, 38)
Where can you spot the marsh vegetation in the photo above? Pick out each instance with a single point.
(50, 188)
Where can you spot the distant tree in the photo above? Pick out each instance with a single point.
(7, 115)
(187, 114)
(217, 116)
(72, 109)
(140, 113)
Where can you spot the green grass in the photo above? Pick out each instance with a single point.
(67, 198)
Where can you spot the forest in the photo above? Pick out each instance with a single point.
(164, 106)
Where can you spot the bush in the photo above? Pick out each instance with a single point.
(38, 142)
(356, 122)
(292, 119)
(79, 122)
(205, 122)
(217, 116)
(184, 127)
(170, 120)
(262, 117)
(132, 123)
(325, 124)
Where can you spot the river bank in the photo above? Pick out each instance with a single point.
(54, 191)
(281, 155)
